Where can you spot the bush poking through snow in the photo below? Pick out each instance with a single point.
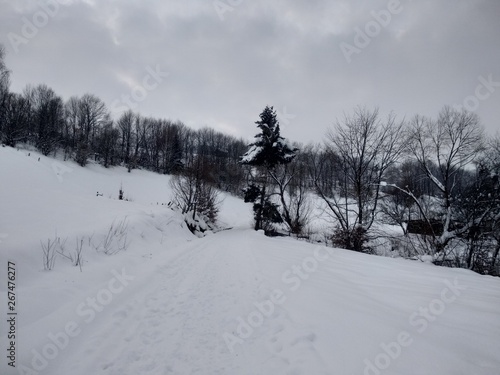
(49, 253)
(197, 200)
(115, 239)
(355, 239)
(78, 253)
(76, 259)
(196, 224)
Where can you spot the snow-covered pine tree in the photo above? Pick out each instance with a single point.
(269, 150)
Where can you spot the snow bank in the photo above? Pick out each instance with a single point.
(235, 302)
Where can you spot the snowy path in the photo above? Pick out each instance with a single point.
(329, 320)
(175, 325)
(171, 325)
(237, 302)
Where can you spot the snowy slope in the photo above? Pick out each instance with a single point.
(234, 302)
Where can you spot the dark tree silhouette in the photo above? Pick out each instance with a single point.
(269, 150)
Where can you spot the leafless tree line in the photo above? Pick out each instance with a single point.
(82, 129)
(438, 179)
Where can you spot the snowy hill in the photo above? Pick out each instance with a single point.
(151, 298)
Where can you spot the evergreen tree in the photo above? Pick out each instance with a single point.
(269, 150)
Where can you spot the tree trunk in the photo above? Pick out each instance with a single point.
(468, 261)
(258, 214)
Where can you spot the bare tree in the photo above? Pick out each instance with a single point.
(84, 119)
(142, 128)
(361, 148)
(397, 207)
(4, 73)
(291, 185)
(4, 87)
(172, 153)
(93, 115)
(484, 239)
(495, 218)
(15, 119)
(107, 140)
(126, 127)
(194, 195)
(46, 117)
(71, 125)
(453, 142)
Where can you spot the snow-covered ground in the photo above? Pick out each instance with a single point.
(233, 302)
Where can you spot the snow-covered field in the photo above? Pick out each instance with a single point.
(233, 302)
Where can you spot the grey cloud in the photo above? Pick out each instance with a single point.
(282, 53)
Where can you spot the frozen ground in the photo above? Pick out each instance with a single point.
(234, 302)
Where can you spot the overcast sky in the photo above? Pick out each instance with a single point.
(219, 63)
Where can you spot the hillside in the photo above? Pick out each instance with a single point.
(163, 301)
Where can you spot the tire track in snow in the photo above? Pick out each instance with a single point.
(176, 328)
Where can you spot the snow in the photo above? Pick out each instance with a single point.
(251, 154)
(233, 302)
